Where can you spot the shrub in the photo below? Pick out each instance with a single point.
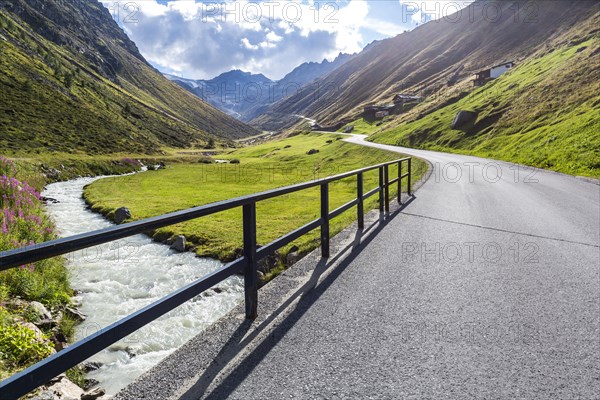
(205, 160)
(27, 87)
(77, 376)
(18, 344)
(234, 161)
(312, 151)
(67, 326)
(68, 81)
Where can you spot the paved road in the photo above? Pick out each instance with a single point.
(484, 287)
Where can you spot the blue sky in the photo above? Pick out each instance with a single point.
(201, 39)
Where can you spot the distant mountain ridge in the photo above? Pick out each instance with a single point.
(232, 92)
(72, 81)
(245, 95)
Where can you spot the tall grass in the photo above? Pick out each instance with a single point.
(22, 223)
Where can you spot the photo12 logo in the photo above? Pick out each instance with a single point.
(126, 12)
(286, 11)
(120, 251)
(488, 172)
(469, 332)
(470, 252)
(457, 11)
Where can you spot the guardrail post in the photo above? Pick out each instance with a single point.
(386, 172)
(325, 220)
(381, 183)
(359, 197)
(400, 182)
(409, 172)
(250, 272)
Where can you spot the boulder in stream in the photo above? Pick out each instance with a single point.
(179, 243)
(121, 215)
(93, 394)
(75, 314)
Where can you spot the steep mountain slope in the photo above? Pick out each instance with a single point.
(426, 58)
(245, 95)
(72, 81)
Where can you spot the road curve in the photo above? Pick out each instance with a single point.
(505, 196)
(485, 286)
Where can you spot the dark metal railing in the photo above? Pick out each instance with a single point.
(40, 373)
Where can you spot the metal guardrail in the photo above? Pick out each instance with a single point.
(42, 372)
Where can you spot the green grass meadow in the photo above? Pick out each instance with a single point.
(274, 164)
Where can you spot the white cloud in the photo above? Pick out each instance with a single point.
(249, 45)
(202, 40)
(273, 37)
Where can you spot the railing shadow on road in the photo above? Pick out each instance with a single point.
(304, 297)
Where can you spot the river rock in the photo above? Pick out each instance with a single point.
(90, 366)
(45, 395)
(46, 323)
(131, 352)
(60, 341)
(464, 120)
(93, 394)
(39, 335)
(66, 390)
(122, 214)
(90, 383)
(47, 200)
(75, 314)
(179, 243)
(40, 310)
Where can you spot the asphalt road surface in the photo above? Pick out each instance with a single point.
(486, 286)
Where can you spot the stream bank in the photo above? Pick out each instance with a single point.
(118, 278)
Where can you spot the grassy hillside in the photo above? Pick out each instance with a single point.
(544, 113)
(364, 127)
(262, 167)
(71, 81)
